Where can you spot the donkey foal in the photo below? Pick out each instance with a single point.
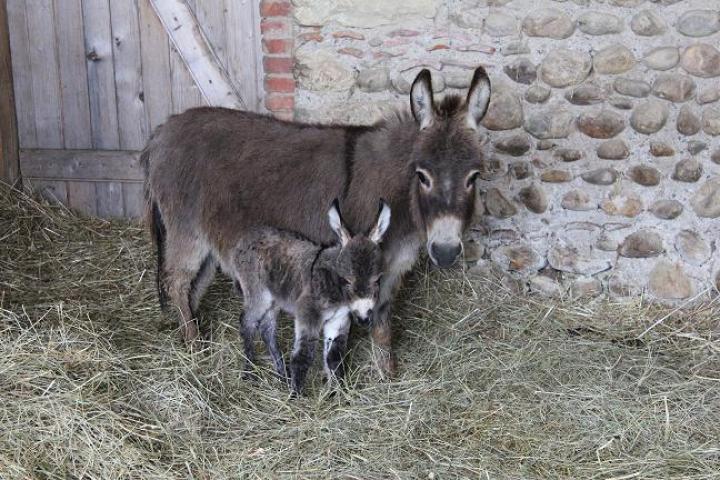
(320, 286)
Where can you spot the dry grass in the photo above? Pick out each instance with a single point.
(95, 384)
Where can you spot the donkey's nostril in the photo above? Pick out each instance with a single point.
(445, 254)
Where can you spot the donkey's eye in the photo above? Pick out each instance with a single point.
(424, 179)
(471, 179)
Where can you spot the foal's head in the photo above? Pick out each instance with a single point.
(359, 263)
(447, 159)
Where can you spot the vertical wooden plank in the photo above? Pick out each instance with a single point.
(22, 73)
(185, 94)
(9, 149)
(54, 191)
(242, 49)
(133, 199)
(109, 199)
(73, 74)
(132, 119)
(155, 53)
(101, 77)
(45, 73)
(81, 197)
(211, 18)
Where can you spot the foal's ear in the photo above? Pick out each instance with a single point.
(478, 98)
(421, 99)
(337, 224)
(382, 224)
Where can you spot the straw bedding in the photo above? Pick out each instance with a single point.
(94, 382)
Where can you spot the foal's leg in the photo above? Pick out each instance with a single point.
(335, 332)
(307, 332)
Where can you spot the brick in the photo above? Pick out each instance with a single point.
(280, 84)
(310, 36)
(355, 52)
(274, 27)
(278, 64)
(275, 102)
(348, 34)
(276, 45)
(269, 8)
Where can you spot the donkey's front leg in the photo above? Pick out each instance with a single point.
(335, 333)
(307, 332)
(381, 330)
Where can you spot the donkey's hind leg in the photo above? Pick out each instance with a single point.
(268, 332)
(184, 259)
(202, 281)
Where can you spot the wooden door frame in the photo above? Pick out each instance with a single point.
(9, 143)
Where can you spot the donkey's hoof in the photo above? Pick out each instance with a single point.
(387, 364)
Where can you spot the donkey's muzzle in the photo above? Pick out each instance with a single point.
(445, 254)
(364, 321)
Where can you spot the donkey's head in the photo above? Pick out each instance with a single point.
(447, 159)
(358, 266)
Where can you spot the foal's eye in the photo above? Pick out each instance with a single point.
(471, 179)
(424, 179)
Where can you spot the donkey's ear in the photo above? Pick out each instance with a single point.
(421, 99)
(337, 224)
(478, 98)
(382, 224)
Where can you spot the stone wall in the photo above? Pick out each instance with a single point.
(603, 173)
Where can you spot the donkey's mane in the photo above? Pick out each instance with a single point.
(449, 106)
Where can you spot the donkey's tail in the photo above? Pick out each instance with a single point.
(158, 233)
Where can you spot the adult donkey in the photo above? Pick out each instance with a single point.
(212, 173)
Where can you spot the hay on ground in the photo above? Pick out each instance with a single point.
(95, 384)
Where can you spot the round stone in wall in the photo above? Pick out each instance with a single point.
(674, 87)
(586, 94)
(666, 209)
(622, 103)
(661, 149)
(631, 87)
(504, 112)
(545, 286)
(521, 70)
(373, 79)
(550, 123)
(515, 145)
(498, 205)
(601, 176)
(696, 146)
(520, 170)
(628, 205)
(517, 257)
(500, 24)
(319, 70)
(586, 287)
(492, 168)
(537, 94)
(556, 176)
(708, 94)
(548, 22)
(701, 60)
(649, 117)
(688, 170)
(699, 23)
(613, 59)
(577, 200)
(644, 175)
(597, 23)
(534, 198)
(692, 247)
(687, 122)
(603, 124)
(644, 243)
(563, 67)
(711, 120)
(567, 256)
(662, 58)
(568, 154)
(715, 157)
(647, 23)
(669, 281)
(706, 201)
(615, 149)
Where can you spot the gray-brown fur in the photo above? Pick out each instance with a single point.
(215, 173)
(280, 270)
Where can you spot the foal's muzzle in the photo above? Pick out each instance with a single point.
(445, 254)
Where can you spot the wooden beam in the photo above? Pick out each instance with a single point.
(9, 158)
(187, 36)
(89, 165)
